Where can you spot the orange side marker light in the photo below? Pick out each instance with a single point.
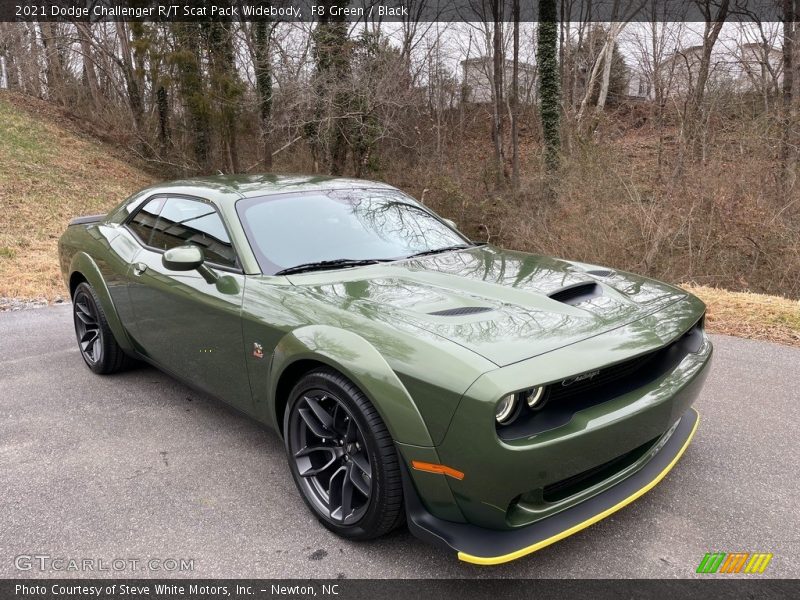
(440, 469)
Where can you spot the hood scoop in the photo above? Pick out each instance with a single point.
(576, 293)
(461, 311)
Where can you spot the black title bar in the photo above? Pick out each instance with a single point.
(370, 589)
(385, 10)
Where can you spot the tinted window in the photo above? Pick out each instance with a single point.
(293, 229)
(181, 221)
(144, 221)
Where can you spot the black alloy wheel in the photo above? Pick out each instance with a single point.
(87, 327)
(96, 342)
(330, 455)
(342, 457)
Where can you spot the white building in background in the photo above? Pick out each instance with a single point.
(745, 68)
(478, 76)
(639, 86)
(758, 68)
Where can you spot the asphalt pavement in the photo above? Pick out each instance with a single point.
(139, 467)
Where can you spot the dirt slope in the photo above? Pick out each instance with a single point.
(49, 173)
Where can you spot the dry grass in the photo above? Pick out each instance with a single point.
(49, 173)
(748, 315)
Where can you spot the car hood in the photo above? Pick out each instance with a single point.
(505, 306)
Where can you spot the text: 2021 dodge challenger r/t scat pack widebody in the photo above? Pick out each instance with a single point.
(497, 400)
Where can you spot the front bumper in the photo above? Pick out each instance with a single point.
(489, 546)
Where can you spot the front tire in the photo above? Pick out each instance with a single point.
(342, 457)
(96, 342)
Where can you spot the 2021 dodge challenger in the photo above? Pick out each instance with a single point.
(497, 401)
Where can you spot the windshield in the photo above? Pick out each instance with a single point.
(288, 230)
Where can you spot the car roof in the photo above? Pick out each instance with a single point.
(223, 188)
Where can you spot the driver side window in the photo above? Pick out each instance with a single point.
(165, 223)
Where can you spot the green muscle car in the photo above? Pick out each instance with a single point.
(497, 401)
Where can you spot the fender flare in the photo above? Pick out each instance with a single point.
(359, 361)
(84, 264)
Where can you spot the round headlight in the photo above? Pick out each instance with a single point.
(534, 397)
(505, 408)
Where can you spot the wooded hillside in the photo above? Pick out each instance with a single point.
(691, 176)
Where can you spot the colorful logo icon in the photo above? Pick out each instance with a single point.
(734, 562)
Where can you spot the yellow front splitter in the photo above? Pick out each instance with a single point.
(490, 547)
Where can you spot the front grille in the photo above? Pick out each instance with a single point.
(566, 397)
(571, 387)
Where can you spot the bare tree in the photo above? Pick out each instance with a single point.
(515, 101)
(713, 22)
(498, 68)
(789, 140)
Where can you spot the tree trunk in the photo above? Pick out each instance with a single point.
(89, 72)
(789, 112)
(497, 89)
(549, 94)
(263, 72)
(608, 58)
(695, 113)
(52, 59)
(332, 53)
(9, 46)
(225, 87)
(131, 80)
(515, 102)
(193, 90)
(164, 129)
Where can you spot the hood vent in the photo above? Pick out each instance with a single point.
(461, 311)
(600, 272)
(577, 293)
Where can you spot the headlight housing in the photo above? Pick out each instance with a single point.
(506, 409)
(534, 397)
(509, 406)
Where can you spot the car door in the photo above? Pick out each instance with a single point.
(187, 322)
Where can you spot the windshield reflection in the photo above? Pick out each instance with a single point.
(287, 230)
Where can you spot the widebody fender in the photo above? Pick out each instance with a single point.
(84, 264)
(357, 359)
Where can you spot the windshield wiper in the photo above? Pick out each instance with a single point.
(444, 249)
(337, 263)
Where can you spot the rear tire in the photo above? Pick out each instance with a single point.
(342, 457)
(98, 347)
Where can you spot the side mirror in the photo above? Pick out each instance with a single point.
(183, 258)
(451, 223)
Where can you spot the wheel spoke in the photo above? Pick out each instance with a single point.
(357, 479)
(314, 424)
(85, 318)
(350, 431)
(89, 338)
(311, 470)
(85, 312)
(339, 417)
(347, 495)
(323, 415)
(96, 348)
(360, 460)
(335, 493)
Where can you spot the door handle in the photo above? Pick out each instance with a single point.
(139, 268)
